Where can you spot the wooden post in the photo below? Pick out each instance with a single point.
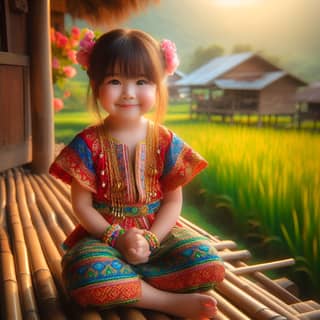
(41, 86)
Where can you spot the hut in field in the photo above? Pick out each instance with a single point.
(175, 92)
(35, 209)
(308, 99)
(244, 83)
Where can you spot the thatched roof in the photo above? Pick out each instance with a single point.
(310, 93)
(105, 11)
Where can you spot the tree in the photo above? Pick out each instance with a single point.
(241, 47)
(202, 55)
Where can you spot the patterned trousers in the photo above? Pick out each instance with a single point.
(96, 275)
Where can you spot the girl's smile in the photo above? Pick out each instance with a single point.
(127, 98)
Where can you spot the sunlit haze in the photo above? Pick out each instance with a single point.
(236, 3)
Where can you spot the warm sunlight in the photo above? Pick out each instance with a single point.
(235, 3)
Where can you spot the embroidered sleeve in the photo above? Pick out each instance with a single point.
(181, 165)
(75, 161)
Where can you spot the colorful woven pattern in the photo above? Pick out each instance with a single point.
(96, 275)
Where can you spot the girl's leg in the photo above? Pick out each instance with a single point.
(188, 305)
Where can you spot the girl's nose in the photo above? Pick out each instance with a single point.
(128, 91)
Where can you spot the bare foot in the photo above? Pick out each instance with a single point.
(194, 306)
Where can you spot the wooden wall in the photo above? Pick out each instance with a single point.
(15, 124)
(279, 96)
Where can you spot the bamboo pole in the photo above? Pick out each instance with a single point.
(47, 294)
(10, 303)
(62, 198)
(131, 314)
(228, 309)
(302, 307)
(49, 248)
(248, 304)
(248, 288)
(311, 315)
(61, 186)
(62, 218)
(273, 287)
(235, 255)
(263, 266)
(48, 215)
(27, 297)
(270, 299)
(110, 315)
(225, 244)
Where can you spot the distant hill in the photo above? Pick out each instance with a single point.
(286, 29)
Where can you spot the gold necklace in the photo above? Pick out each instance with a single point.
(117, 186)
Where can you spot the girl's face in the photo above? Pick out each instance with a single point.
(127, 98)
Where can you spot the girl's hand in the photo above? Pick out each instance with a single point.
(133, 246)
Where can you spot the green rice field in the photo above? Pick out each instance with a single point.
(265, 182)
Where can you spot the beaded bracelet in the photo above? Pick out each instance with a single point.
(111, 234)
(152, 239)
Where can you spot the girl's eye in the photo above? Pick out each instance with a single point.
(114, 82)
(141, 82)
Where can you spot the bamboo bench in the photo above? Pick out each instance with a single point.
(36, 215)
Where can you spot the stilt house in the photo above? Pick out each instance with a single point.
(243, 83)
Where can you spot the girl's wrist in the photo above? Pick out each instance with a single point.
(111, 234)
(152, 239)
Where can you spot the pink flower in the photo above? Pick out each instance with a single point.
(75, 33)
(69, 72)
(170, 56)
(55, 63)
(72, 56)
(57, 104)
(66, 94)
(61, 40)
(86, 46)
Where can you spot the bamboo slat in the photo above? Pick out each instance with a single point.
(48, 214)
(235, 255)
(263, 266)
(62, 187)
(303, 307)
(39, 215)
(311, 315)
(227, 308)
(10, 303)
(273, 287)
(28, 301)
(62, 198)
(45, 288)
(48, 246)
(248, 304)
(225, 244)
(63, 220)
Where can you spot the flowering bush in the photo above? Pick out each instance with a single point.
(63, 49)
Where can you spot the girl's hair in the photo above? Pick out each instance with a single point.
(131, 53)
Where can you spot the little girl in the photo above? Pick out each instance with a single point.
(126, 175)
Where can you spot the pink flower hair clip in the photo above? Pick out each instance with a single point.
(85, 48)
(170, 56)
